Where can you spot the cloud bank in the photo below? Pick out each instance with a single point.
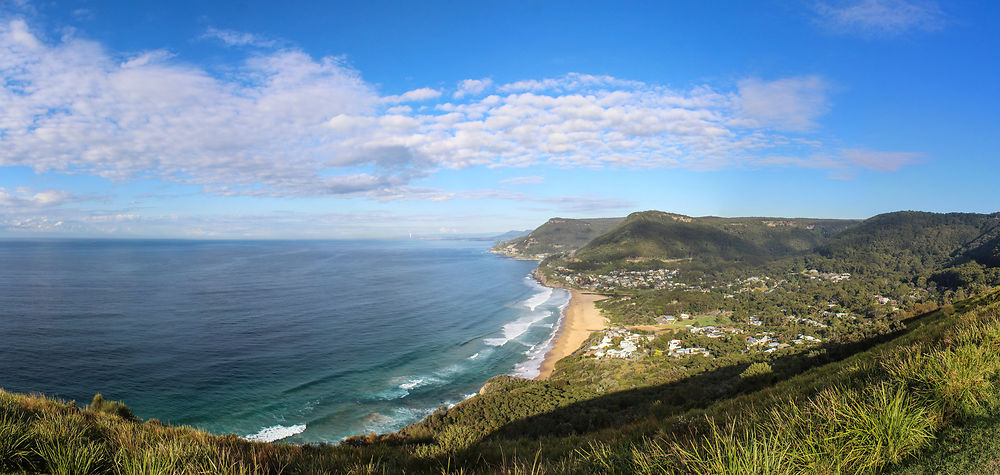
(881, 17)
(282, 123)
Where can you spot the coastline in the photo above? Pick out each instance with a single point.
(581, 318)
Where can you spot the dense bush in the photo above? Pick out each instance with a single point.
(756, 370)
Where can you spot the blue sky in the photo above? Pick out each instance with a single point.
(381, 119)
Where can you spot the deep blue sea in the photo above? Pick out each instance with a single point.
(300, 341)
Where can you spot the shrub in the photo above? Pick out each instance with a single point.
(457, 437)
(117, 408)
(756, 370)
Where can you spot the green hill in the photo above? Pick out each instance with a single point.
(557, 235)
(915, 241)
(659, 235)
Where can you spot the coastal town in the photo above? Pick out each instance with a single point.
(641, 333)
(623, 343)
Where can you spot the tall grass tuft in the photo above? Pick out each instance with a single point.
(960, 380)
(601, 457)
(651, 457)
(738, 451)
(72, 456)
(160, 459)
(880, 426)
(15, 443)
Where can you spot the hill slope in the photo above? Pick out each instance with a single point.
(659, 235)
(917, 240)
(555, 236)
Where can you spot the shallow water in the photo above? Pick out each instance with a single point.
(298, 341)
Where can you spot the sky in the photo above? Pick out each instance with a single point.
(346, 120)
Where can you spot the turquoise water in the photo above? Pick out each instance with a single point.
(300, 341)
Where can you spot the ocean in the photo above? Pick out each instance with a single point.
(298, 341)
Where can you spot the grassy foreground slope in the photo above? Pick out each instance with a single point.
(922, 400)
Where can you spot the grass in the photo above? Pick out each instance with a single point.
(965, 448)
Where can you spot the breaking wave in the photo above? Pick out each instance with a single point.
(278, 432)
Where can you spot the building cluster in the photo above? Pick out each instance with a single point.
(676, 350)
(829, 314)
(765, 341)
(754, 284)
(806, 321)
(768, 343)
(618, 343)
(831, 276)
(883, 300)
(715, 332)
(803, 339)
(670, 319)
(658, 279)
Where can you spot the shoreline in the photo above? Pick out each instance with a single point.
(580, 318)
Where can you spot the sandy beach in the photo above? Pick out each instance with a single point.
(582, 318)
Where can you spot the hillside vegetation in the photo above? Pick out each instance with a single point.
(659, 235)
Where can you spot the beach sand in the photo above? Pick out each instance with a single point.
(582, 318)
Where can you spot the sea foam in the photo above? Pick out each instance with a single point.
(541, 297)
(517, 328)
(532, 366)
(412, 383)
(273, 433)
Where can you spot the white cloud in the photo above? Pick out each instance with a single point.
(572, 81)
(129, 223)
(785, 104)
(72, 107)
(416, 95)
(881, 17)
(879, 161)
(845, 163)
(524, 180)
(286, 124)
(238, 38)
(586, 203)
(472, 87)
(28, 199)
